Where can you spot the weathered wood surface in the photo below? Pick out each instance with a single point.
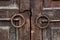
(30, 10)
(51, 3)
(52, 31)
(35, 8)
(9, 8)
(24, 5)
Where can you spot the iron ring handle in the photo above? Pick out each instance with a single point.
(12, 18)
(48, 21)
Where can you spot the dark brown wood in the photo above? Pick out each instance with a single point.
(24, 5)
(4, 33)
(51, 3)
(8, 8)
(36, 33)
(34, 26)
(24, 32)
(5, 2)
(45, 7)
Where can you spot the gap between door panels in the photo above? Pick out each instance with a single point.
(29, 18)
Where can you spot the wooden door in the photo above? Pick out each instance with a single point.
(14, 23)
(45, 20)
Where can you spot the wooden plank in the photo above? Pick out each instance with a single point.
(36, 33)
(4, 33)
(24, 31)
(14, 6)
(24, 5)
(51, 3)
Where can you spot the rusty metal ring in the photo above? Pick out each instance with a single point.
(13, 19)
(48, 21)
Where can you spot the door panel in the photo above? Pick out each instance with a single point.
(4, 33)
(45, 22)
(8, 31)
(46, 25)
(14, 20)
(51, 3)
(53, 29)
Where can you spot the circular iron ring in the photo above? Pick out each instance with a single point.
(44, 16)
(13, 19)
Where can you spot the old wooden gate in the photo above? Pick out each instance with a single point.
(29, 19)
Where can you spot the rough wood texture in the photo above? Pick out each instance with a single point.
(52, 31)
(51, 3)
(4, 33)
(24, 32)
(10, 34)
(5, 2)
(35, 8)
(24, 5)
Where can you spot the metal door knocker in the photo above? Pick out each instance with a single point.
(41, 20)
(13, 17)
